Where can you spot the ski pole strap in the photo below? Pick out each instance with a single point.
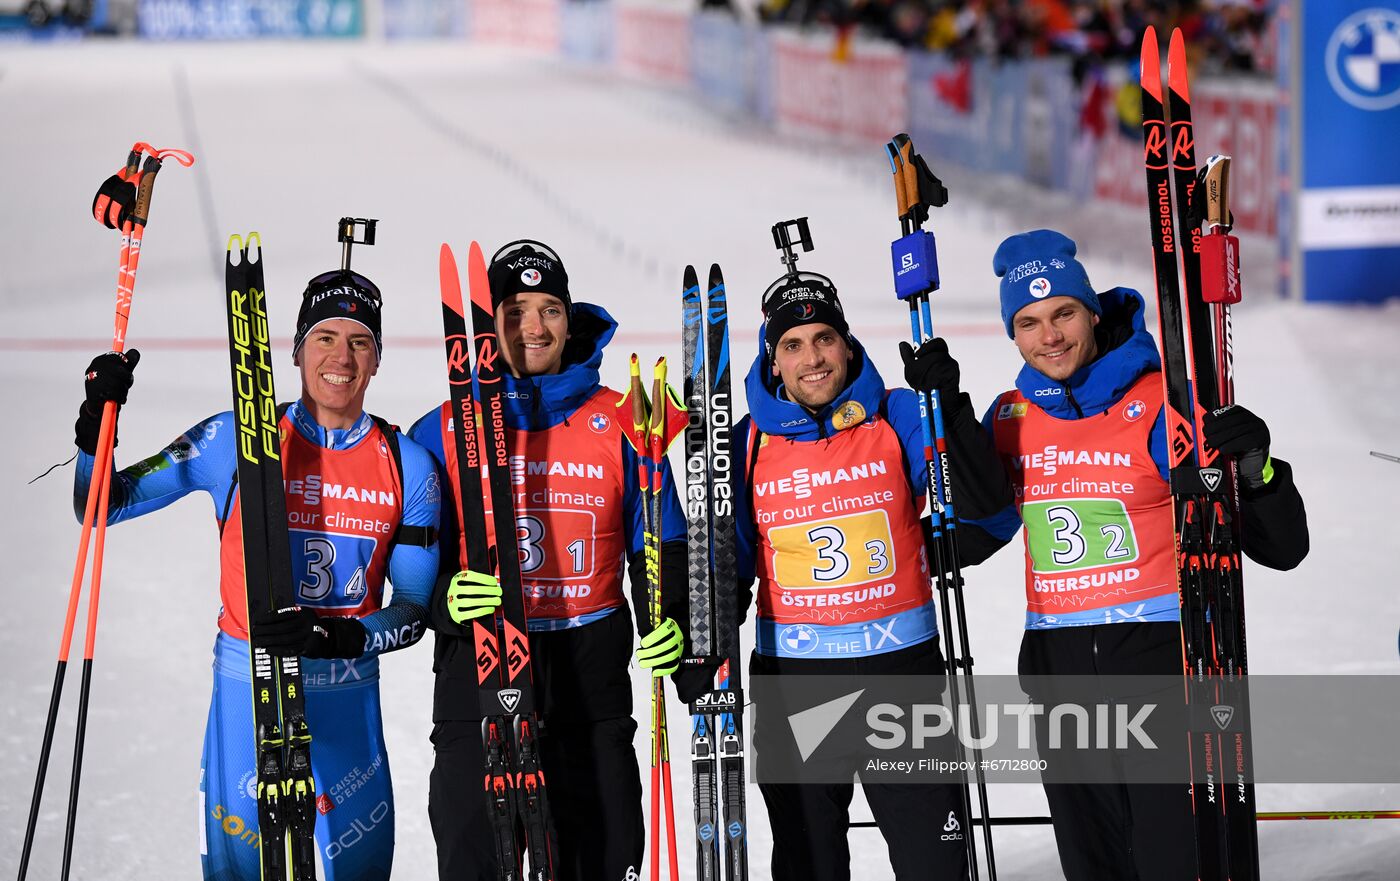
(184, 157)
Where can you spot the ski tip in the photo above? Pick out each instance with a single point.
(235, 245)
(636, 368)
(1151, 64)
(1177, 71)
(447, 262)
(716, 276)
(690, 278)
(478, 284)
(254, 246)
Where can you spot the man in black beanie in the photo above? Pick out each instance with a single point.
(841, 575)
(580, 529)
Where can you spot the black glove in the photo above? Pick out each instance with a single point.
(1235, 431)
(930, 368)
(300, 631)
(108, 378)
(691, 681)
(114, 201)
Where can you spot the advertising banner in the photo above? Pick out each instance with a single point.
(586, 33)
(1238, 120)
(1014, 117)
(653, 43)
(942, 107)
(532, 24)
(722, 51)
(1347, 125)
(413, 19)
(248, 19)
(857, 94)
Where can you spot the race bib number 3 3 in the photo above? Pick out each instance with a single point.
(1069, 534)
(838, 552)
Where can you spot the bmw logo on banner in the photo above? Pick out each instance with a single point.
(1363, 59)
(1344, 121)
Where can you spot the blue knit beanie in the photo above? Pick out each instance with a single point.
(1038, 264)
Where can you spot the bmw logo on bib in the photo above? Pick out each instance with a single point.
(798, 639)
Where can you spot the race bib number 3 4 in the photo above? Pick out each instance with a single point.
(839, 552)
(1069, 534)
(330, 568)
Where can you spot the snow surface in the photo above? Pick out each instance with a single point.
(630, 182)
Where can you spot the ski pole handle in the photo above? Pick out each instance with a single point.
(895, 152)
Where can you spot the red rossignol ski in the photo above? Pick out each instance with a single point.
(1196, 371)
(514, 781)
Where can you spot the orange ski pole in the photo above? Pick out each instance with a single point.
(95, 511)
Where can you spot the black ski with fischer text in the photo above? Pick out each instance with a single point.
(286, 792)
(514, 780)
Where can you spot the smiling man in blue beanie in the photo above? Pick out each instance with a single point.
(1092, 383)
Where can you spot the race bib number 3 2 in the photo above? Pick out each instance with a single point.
(1069, 534)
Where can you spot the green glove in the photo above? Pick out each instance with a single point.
(660, 651)
(472, 595)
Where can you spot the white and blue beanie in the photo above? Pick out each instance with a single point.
(1036, 265)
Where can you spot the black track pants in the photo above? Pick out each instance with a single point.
(595, 795)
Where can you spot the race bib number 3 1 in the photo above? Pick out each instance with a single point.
(839, 552)
(555, 545)
(1069, 534)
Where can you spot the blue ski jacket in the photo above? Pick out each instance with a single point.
(203, 459)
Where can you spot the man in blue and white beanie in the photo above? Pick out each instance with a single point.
(1083, 437)
(1036, 265)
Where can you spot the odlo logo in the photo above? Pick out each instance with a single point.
(952, 829)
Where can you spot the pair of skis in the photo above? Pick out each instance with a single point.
(1197, 372)
(514, 780)
(286, 791)
(717, 731)
(915, 261)
(655, 425)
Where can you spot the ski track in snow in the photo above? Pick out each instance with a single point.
(629, 182)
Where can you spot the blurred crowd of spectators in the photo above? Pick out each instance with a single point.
(1223, 34)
